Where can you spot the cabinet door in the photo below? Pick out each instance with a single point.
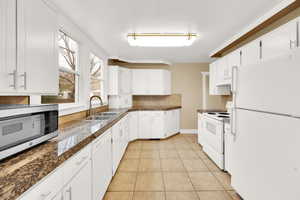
(221, 71)
(167, 82)
(8, 46)
(113, 78)
(133, 129)
(279, 41)
(156, 82)
(177, 122)
(139, 82)
(116, 146)
(251, 53)
(125, 76)
(102, 165)
(157, 125)
(37, 48)
(80, 186)
(213, 78)
(145, 124)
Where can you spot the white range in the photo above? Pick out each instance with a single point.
(213, 136)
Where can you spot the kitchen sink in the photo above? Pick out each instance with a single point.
(108, 114)
(98, 118)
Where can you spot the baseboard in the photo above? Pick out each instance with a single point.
(188, 131)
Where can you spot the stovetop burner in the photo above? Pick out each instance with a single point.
(212, 113)
(223, 116)
(223, 113)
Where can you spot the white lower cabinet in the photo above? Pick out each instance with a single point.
(101, 165)
(87, 174)
(158, 124)
(133, 118)
(80, 187)
(120, 133)
(151, 124)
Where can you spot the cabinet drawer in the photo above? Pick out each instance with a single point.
(76, 162)
(47, 188)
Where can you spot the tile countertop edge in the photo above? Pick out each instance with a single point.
(35, 165)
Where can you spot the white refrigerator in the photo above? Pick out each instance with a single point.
(266, 129)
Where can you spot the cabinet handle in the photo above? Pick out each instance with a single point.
(70, 193)
(82, 160)
(14, 75)
(233, 123)
(44, 196)
(24, 75)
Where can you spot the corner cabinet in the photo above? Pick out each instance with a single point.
(120, 81)
(158, 124)
(151, 82)
(29, 54)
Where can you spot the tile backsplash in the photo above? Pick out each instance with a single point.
(169, 100)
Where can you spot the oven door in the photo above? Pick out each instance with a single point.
(20, 129)
(213, 134)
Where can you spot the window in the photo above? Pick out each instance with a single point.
(96, 77)
(68, 71)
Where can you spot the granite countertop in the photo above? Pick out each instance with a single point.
(21, 171)
(137, 108)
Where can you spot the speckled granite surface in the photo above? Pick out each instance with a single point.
(153, 108)
(21, 171)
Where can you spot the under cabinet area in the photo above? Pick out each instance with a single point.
(29, 48)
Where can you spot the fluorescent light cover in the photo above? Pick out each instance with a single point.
(161, 40)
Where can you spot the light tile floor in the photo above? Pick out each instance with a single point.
(172, 169)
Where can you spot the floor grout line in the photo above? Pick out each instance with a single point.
(175, 143)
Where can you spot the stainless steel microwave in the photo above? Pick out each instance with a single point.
(24, 126)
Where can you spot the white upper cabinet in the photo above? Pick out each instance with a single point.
(8, 46)
(214, 88)
(251, 53)
(120, 81)
(280, 41)
(37, 48)
(151, 82)
(28, 38)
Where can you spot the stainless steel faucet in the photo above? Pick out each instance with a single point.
(91, 99)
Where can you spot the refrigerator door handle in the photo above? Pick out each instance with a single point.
(233, 122)
(233, 79)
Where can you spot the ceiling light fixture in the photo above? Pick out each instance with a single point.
(161, 39)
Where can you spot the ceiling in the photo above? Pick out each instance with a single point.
(109, 21)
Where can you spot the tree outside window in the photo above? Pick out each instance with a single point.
(68, 71)
(96, 77)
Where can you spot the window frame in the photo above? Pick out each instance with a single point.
(102, 80)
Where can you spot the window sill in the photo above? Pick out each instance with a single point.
(66, 109)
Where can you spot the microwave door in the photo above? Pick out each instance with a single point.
(16, 131)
